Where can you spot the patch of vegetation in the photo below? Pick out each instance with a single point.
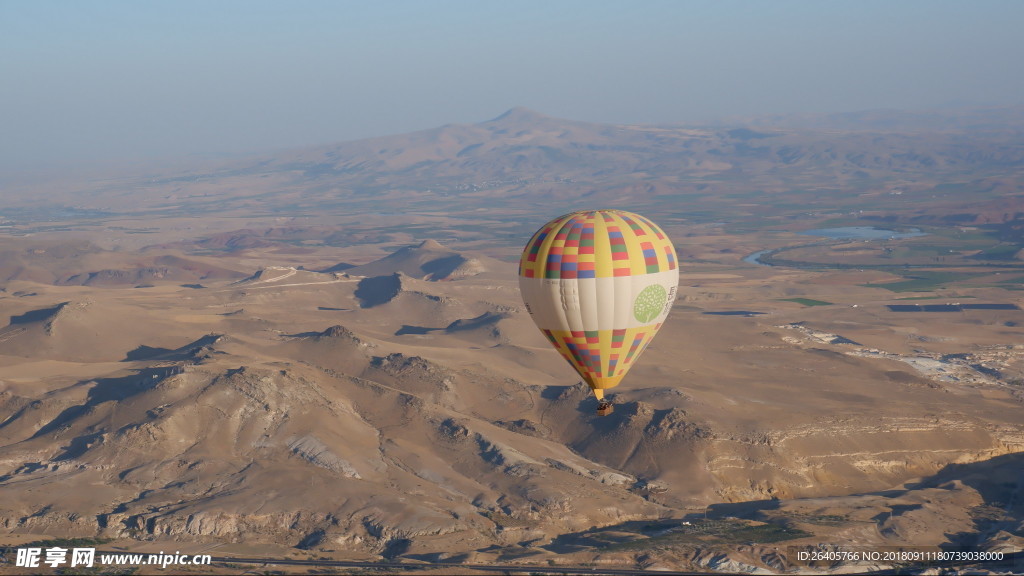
(766, 533)
(822, 519)
(807, 301)
(933, 297)
(924, 281)
(969, 238)
(909, 251)
(734, 531)
(1000, 252)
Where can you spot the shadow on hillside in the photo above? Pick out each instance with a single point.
(107, 390)
(339, 267)
(186, 352)
(40, 315)
(485, 319)
(415, 330)
(378, 290)
(443, 267)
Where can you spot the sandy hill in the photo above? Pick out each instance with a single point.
(83, 263)
(157, 269)
(428, 260)
(335, 348)
(70, 331)
(45, 261)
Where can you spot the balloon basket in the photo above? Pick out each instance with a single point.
(605, 408)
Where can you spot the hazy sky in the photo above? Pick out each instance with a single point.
(106, 81)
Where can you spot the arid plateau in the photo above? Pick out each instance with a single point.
(323, 353)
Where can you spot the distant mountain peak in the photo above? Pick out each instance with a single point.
(431, 245)
(519, 115)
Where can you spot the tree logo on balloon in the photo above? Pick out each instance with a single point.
(649, 303)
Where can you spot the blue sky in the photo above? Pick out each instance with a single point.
(108, 81)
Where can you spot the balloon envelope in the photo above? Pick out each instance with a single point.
(599, 284)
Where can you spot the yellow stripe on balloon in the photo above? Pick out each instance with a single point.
(602, 249)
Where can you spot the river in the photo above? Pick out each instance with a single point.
(843, 233)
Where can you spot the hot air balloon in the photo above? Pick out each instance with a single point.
(599, 284)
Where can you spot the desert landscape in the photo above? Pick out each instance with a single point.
(323, 353)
